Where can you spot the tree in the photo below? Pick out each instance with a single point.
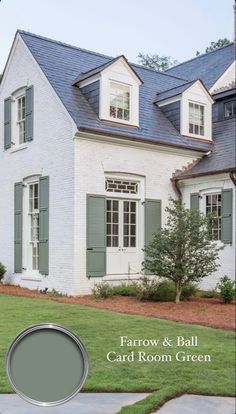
(159, 63)
(215, 45)
(183, 251)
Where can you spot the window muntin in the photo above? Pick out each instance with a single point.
(112, 223)
(196, 119)
(121, 186)
(129, 224)
(119, 101)
(34, 224)
(214, 210)
(21, 119)
(230, 109)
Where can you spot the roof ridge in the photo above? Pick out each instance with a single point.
(48, 39)
(200, 56)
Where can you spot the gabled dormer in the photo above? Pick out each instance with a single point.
(189, 108)
(112, 90)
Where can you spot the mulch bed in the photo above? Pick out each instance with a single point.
(207, 312)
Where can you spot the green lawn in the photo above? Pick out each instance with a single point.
(101, 330)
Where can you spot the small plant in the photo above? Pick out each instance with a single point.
(148, 289)
(53, 292)
(188, 290)
(102, 290)
(126, 289)
(2, 271)
(163, 290)
(208, 294)
(227, 289)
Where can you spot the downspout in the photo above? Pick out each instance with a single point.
(232, 177)
(175, 183)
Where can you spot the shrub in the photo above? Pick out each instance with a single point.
(2, 271)
(102, 290)
(126, 289)
(162, 291)
(227, 289)
(188, 290)
(208, 294)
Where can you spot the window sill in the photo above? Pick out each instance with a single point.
(18, 148)
(33, 278)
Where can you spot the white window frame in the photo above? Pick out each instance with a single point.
(20, 121)
(28, 272)
(129, 87)
(210, 194)
(15, 122)
(199, 125)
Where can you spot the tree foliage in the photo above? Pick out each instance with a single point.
(183, 250)
(215, 45)
(156, 62)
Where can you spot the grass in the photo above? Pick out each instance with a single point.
(101, 330)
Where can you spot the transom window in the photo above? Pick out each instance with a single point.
(21, 118)
(121, 223)
(121, 186)
(214, 209)
(119, 101)
(196, 119)
(230, 109)
(34, 224)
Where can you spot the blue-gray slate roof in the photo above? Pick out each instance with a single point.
(208, 67)
(173, 91)
(62, 63)
(223, 156)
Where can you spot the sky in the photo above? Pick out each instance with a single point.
(167, 27)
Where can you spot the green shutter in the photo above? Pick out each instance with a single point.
(194, 201)
(7, 123)
(29, 102)
(226, 220)
(44, 225)
(152, 219)
(18, 201)
(96, 236)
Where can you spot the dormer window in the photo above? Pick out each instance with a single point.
(196, 119)
(119, 101)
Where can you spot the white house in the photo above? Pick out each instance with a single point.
(91, 150)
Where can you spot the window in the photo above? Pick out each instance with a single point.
(119, 101)
(34, 224)
(214, 209)
(230, 109)
(196, 119)
(121, 222)
(129, 224)
(21, 119)
(112, 220)
(121, 186)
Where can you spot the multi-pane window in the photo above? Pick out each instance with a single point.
(214, 209)
(196, 118)
(121, 186)
(21, 118)
(112, 220)
(230, 109)
(119, 101)
(121, 223)
(34, 224)
(129, 213)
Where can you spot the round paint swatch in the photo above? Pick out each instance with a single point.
(47, 364)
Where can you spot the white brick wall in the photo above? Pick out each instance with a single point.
(50, 153)
(227, 256)
(92, 160)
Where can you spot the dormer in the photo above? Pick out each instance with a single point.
(112, 90)
(189, 108)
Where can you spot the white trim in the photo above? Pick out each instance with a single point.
(131, 72)
(138, 144)
(89, 80)
(18, 148)
(227, 76)
(169, 100)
